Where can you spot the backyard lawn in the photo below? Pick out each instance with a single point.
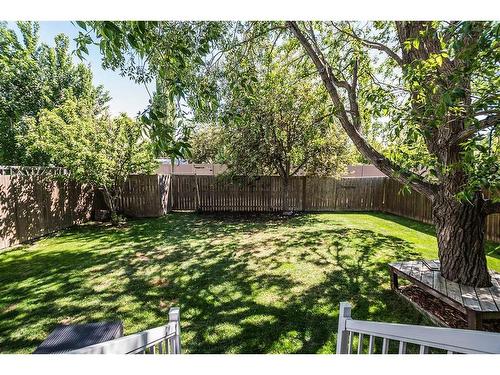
(259, 285)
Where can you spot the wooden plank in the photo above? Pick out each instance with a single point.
(427, 276)
(439, 283)
(417, 269)
(486, 299)
(495, 290)
(453, 291)
(396, 265)
(470, 298)
(406, 267)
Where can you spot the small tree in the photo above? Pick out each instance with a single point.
(275, 121)
(95, 150)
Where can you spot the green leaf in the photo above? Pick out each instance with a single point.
(132, 41)
(112, 28)
(82, 24)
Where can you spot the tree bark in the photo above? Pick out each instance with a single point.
(110, 201)
(460, 230)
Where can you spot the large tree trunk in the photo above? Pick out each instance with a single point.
(460, 230)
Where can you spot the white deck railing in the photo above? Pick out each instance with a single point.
(159, 340)
(424, 338)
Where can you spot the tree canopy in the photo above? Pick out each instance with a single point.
(34, 76)
(273, 117)
(173, 55)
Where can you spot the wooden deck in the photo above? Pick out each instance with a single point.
(478, 303)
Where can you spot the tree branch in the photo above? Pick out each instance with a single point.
(374, 45)
(485, 123)
(380, 161)
(353, 99)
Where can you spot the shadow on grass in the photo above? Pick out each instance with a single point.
(243, 286)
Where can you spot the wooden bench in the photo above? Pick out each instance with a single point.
(477, 303)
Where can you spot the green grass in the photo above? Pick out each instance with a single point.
(243, 285)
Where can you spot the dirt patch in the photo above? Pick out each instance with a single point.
(68, 320)
(9, 308)
(161, 282)
(141, 257)
(166, 305)
(442, 311)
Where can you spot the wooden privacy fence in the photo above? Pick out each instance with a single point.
(145, 196)
(265, 193)
(32, 206)
(212, 193)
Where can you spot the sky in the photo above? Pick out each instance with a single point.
(127, 96)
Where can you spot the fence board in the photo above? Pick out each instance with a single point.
(145, 196)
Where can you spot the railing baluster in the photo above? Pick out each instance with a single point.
(360, 343)
(424, 349)
(371, 346)
(385, 346)
(402, 347)
(160, 347)
(350, 342)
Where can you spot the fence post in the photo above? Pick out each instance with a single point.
(174, 317)
(171, 193)
(382, 203)
(304, 195)
(342, 334)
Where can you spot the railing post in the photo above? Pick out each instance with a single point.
(342, 334)
(174, 317)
